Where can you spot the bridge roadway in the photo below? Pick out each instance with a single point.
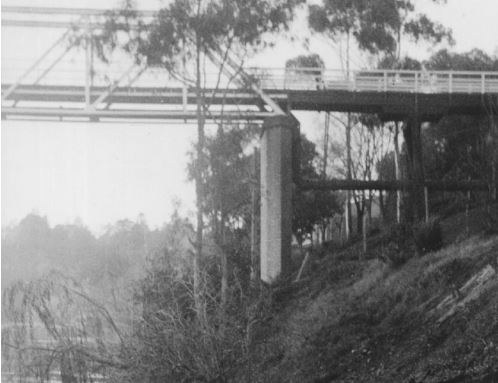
(391, 94)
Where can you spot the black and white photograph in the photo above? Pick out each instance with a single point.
(249, 191)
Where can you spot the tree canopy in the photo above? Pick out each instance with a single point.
(377, 25)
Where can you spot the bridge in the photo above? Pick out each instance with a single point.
(266, 95)
(390, 93)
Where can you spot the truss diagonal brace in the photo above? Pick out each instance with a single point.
(116, 83)
(244, 79)
(14, 86)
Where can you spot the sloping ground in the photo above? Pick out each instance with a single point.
(435, 319)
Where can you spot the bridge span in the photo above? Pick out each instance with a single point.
(391, 94)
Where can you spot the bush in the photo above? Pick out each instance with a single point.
(428, 236)
(490, 221)
(397, 245)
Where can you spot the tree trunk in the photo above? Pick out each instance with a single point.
(397, 171)
(369, 207)
(199, 192)
(359, 216)
(325, 145)
(417, 168)
(349, 223)
(494, 159)
(364, 234)
(323, 227)
(224, 264)
(382, 206)
(67, 375)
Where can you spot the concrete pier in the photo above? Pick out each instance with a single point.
(276, 196)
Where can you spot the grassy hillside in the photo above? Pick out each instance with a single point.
(434, 319)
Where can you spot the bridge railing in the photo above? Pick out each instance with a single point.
(279, 79)
(377, 80)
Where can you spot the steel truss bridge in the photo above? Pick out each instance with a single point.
(244, 94)
(139, 92)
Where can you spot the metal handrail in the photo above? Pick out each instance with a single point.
(378, 80)
(368, 80)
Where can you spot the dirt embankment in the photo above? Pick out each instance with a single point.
(434, 319)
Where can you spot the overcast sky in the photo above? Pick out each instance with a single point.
(108, 171)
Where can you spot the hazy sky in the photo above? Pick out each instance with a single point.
(108, 171)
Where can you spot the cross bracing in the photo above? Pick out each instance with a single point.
(93, 91)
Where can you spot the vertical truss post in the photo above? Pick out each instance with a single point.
(184, 73)
(88, 70)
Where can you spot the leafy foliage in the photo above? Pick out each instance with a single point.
(312, 60)
(375, 25)
(182, 28)
(227, 177)
(397, 245)
(53, 324)
(311, 207)
(428, 236)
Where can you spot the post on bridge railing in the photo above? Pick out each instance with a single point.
(450, 82)
(416, 82)
(483, 83)
(385, 81)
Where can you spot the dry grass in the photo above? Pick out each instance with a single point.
(373, 324)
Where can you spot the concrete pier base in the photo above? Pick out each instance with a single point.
(276, 196)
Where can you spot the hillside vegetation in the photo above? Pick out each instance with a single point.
(434, 319)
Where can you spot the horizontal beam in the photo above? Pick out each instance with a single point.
(66, 11)
(390, 106)
(135, 95)
(391, 185)
(49, 24)
(134, 114)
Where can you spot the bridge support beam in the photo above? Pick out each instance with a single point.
(413, 139)
(276, 196)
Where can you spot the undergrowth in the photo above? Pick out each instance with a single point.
(363, 330)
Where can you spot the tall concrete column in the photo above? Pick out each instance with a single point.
(413, 140)
(276, 196)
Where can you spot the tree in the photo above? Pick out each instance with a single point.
(311, 208)
(227, 185)
(303, 67)
(463, 147)
(186, 32)
(377, 27)
(55, 325)
(371, 141)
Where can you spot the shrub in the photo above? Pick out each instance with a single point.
(428, 236)
(397, 246)
(394, 256)
(490, 221)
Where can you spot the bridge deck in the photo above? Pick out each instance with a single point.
(390, 103)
